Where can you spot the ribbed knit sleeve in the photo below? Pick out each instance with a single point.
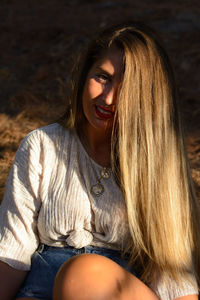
(169, 290)
(20, 206)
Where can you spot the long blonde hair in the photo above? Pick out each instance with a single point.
(148, 153)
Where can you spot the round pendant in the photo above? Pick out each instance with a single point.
(105, 173)
(97, 189)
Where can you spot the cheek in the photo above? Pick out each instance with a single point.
(93, 89)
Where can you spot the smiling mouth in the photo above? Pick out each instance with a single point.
(103, 112)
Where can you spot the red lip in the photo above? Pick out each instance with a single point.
(105, 109)
(101, 115)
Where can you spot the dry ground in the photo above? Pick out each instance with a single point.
(39, 39)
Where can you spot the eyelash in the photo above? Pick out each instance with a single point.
(103, 77)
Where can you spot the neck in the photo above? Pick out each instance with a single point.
(97, 145)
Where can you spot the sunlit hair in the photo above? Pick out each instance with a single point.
(148, 153)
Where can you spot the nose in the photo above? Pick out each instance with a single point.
(110, 94)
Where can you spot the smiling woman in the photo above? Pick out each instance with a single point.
(100, 91)
(102, 201)
(100, 99)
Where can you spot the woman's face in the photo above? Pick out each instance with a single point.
(100, 92)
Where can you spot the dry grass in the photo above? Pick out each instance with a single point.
(12, 131)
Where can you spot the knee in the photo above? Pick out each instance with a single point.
(89, 276)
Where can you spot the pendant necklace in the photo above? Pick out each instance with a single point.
(97, 189)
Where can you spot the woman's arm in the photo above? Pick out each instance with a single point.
(10, 281)
(20, 206)
(18, 217)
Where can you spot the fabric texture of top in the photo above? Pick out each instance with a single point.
(48, 200)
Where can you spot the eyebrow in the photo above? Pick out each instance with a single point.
(104, 71)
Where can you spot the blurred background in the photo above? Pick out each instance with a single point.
(40, 39)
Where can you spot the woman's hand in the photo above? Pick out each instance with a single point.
(11, 280)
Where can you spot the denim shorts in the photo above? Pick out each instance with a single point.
(46, 262)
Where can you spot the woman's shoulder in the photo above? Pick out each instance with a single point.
(52, 132)
(53, 129)
(49, 138)
(44, 143)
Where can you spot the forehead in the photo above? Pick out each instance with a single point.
(111, 61)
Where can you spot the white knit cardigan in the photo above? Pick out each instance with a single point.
(48, 200)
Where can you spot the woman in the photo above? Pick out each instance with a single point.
(112, 178)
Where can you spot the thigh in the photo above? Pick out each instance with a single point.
(137, 289)
(91, 276)
(116, 256)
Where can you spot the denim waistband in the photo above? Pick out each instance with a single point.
(43, 247)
